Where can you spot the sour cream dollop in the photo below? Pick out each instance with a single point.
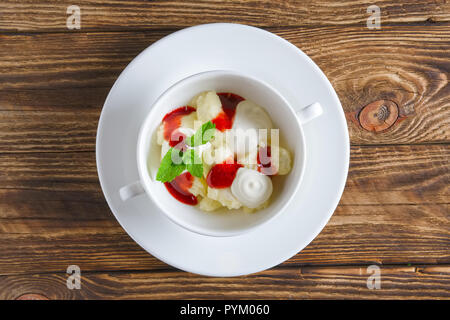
(251, 187)
(248, 120)
(249, 115)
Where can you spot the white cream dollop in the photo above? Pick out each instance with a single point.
(249, 115)
(251, 126)
(251, 187)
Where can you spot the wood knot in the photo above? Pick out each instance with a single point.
(32, 296)
(378, 115)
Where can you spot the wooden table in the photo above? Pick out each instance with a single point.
(394, 212)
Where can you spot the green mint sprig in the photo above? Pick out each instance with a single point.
(202, 135)
(175, 161)
(169, 170)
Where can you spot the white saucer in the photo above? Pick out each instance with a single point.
(262, 55)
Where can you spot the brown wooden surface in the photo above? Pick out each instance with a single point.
(44, 15)
(406, 282)
(394, 211)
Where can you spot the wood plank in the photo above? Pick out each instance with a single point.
(52, 172)
(388, 234)
(364, 67)
(38, 245)
(125, 15)
(394, 210)
(417, 174)
(75, 130)
(398, 282)
(47, 99)
(391, 234)
(72, 72)
(398, 175)
(36, 131)
(65, 60)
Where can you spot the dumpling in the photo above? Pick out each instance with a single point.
(225, 197)
(207, 204)
(284, 162)
(208, 106)
(198, 187)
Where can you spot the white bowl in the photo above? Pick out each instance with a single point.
(222, 222)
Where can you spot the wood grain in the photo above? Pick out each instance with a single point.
(394, 64)
(408, 65)
(78, 99)
(378, 116)
(37, 131)
(398, 175)
(413, 282)
(49, 171)
(354, 235)
(416, 174)
(125, 15)
(394, 210)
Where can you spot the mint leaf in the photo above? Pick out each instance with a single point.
(168, 170)
(202, 135)
(173, 165)
(193, 162)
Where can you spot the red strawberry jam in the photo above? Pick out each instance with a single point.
(222, 175)
(264, 159)
(172, 121)
(179, 188)
(224, 120)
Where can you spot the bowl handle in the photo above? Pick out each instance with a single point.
(130, 191)
(309, 112)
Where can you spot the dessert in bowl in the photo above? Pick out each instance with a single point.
(234, 160)
(228, 217)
